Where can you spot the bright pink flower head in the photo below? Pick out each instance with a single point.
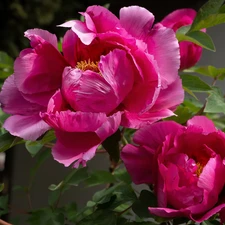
(112, 72)
(190, 53)
(185, 164)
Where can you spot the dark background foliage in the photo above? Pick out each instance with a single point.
(16, 16)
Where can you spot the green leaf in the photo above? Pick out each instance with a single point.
(6, 65)
(146, 199)
(3, 205)
(46, 216)
(182, 115)
(76, 176)
(100, 177)
(7, 141)
(100, 217)
(70, 211)
(54, 187)
(194, 83)
(33, 147)
(215, 102)
(192, 104)
(111, 145)
(139, 223)
(210, 71)
(198, 37)
(121, 174)
(209, 8)
(2, 187)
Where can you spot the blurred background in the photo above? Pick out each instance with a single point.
(16, 16)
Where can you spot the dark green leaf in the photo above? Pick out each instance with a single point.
(146, 199)
(6, 65)
(111, 145)
(198, 37)
(70, 211)
(121, 174)
(182, 115)
(193, 105)
(2, 187)
(53, 197)
(42, 157)
(100, 217)
(215, 102)
(194, 83)
(209, 8)
(139, 223)
(4, 201)
(211, 71)
(100, 177)
(7, 141)
(76, 176)
(33, 147)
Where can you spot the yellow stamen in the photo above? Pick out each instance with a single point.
(88, 65)
(199, 169)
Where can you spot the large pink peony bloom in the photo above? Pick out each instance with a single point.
(112, 72)
(185, 164)
(190, 53)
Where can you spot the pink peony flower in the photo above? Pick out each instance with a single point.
(190, 53)
(112, 72)
(185, 164)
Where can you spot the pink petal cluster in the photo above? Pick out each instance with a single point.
(190, 53)
(112, 72)
(186, 164)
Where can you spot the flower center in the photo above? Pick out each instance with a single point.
(88, 65)
(199, 168)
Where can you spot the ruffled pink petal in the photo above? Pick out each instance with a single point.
(112, 67)
(85, 35)
(26, 127)
(202, 121)
(110, 126)
(157, 132)
(88, 91)
(178, 18)
(202, 217)
(138, 120)
(73, 146)
(137, 21)
(12, 101)
(70, 46)
(146, 84)
(139, 163)
(168, 212)
(102, 19)
(39, 70)
(166, 53)
(170, 97)
(37, 36)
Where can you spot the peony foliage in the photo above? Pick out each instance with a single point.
(127, 88)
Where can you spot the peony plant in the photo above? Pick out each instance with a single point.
(116, 86)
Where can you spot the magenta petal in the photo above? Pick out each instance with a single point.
(170, 97)
(157, 132)
(168, 213)
(166, 53)
(136, 20)
(109, 127)
(36, 36)
(146, 84)
(26, 127)
(12, 101)
(112, 67)
(85, 35)
(72, 146)
(138, 120)
(139, 163)
(69, 46)
(39, 70)
(88, 91)
(201, 121)
(102, 18)
(200, 218)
